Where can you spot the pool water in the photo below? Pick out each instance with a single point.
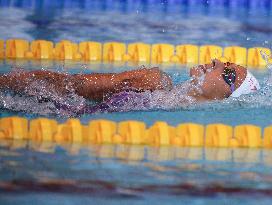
(140, 20)
(47, 173)
(39, 173)
(120, 174)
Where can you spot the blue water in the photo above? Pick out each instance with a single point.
(119, 174)
(197, 22)
(39, 173)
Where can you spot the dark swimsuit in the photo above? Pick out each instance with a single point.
(115, 104)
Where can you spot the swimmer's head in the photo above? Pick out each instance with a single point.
(215, 85)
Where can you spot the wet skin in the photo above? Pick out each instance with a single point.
(214, 87)
(97, 86)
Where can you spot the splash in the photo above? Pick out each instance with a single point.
(175, 98)
(41, 97)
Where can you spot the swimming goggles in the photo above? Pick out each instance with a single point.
(229, 76)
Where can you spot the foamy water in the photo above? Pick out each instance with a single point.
(41, 97)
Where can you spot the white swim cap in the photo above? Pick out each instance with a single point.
(249, 85)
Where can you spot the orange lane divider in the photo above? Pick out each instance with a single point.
(91, 51)
(162, 53)
(16, 48)
(256, 57)
(208, 52)
(114, 51)
(67, 50)
(135, 133)
(139, 52)
(41, 49)
(236, 54)
(189, 134)
(133, 52)
(2, 53)
(132, 132)
(220, 135)
(187, 54)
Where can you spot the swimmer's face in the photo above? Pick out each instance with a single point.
(212, 84)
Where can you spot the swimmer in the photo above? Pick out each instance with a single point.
(214, 81)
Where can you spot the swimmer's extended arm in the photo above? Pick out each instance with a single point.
(96, 86)
(91, 86)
